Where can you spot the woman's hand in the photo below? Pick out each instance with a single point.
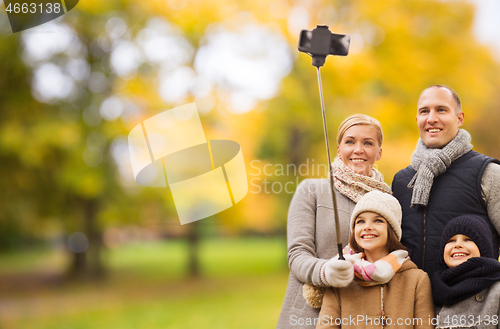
(339, 273)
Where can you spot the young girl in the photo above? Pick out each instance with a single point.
(388, 289)
(468, 292)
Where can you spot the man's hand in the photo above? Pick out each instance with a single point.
(339, 273)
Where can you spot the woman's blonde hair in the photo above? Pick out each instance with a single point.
(360, 119)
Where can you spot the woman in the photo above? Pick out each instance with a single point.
(468, 291)
(311, 226)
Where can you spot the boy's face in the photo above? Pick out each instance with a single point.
(458, 249)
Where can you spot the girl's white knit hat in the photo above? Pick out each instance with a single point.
(383, 204)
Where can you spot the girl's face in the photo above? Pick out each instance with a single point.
(370, 232)
(359, 149)
(458, 249)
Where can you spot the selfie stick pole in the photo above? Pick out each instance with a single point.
(319, 43)
(334, 198)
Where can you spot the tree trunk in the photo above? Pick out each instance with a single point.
(88, 264)
(193, 239)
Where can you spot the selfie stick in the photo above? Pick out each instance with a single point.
(320, 43)
(334, 198)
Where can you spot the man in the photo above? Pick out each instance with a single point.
(445, 179)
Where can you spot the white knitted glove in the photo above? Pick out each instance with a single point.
(339, 273)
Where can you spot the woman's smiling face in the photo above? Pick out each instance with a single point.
(359, 149)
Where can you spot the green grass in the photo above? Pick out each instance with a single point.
(243, 285)
(218, 257)
(31, 260)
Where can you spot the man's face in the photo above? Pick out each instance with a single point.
(437, 118)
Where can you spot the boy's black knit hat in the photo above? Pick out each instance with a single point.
(475, 228)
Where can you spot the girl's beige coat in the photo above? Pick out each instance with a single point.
(407, 303)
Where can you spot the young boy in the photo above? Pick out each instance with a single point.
(468, 292)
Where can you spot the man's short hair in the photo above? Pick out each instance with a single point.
(453, 93)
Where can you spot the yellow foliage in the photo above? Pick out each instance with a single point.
(398, 48)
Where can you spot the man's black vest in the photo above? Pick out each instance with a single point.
(454, 193)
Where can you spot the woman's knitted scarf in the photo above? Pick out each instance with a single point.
(458, 283)
(354, 185)
(371, 274)
(432, 162)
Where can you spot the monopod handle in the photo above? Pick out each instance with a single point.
(332, 188)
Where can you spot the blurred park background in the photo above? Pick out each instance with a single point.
(83, 246)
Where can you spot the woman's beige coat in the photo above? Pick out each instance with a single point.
(407, 303)
(311, 241)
